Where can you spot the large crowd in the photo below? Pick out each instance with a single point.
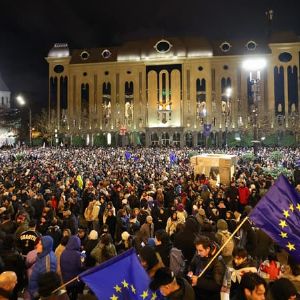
(65, 210)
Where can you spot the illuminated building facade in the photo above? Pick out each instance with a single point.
(174, 91)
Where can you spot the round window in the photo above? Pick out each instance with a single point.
(163, 46)
(58, 69)
(84, 55)
(106, 53)
(285, 57)
(225, 46)
(251, 45)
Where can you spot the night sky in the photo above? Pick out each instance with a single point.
(30, 28)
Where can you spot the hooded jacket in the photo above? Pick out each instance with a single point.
(40, 266)
(70, 260)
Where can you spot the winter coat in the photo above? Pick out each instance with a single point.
(209, 285)
(244, 194)
(185, 292)
(100, 254)
(40, 266)
(70, 260)
(184, 240)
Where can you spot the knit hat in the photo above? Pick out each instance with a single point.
(125, 235)
(283, 289)
(93, 235)
(163, 276)
(222, 224)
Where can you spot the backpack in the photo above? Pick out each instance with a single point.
(228, 249)
(177, 262)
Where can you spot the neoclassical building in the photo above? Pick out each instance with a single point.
(175, 91)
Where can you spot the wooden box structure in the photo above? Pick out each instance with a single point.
(219, 167)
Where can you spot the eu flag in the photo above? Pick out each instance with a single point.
(278, 214)
(119, 278)
(127, 155)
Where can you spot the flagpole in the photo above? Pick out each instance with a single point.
(223, 246)
(65, 284)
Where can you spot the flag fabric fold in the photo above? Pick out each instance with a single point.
(119, 278)
(278, 214)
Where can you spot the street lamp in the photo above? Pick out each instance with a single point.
(254, 66)
(21, 101)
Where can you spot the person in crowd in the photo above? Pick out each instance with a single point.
(27, 239)
(71, 265)
(8, 281)
(163, 246)
(150, 260)
(47, 284)
(46, 262)
(252, 287)
(283, 289)
(59, 250)
(104, 250)
(170, 286)
(208, 285)
(89, 246)
(241, 264)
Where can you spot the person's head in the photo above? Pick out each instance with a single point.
(149, 220)
(161, 237)
(148, 257)
(93, 235)
(8, 280)
(253, 286)
(239, 255)
(164, 280)
(283, 289)
(204, 246)
(47, 283)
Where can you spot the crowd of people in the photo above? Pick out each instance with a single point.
(65, 210)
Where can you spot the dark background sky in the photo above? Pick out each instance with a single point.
(29, 28)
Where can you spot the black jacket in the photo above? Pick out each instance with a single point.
(209, 285)
(185, 292)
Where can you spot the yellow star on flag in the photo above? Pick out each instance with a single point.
(118, 289)
(114, 297)
(284, 235)
(291, 207)
(298, 206)
(291, 246)
(133, 289)
(282, 223)
(145, 294)
(125, 284)
(154, 296)
(286, 213)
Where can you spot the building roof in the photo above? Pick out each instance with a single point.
(3, 86)
(154, 49)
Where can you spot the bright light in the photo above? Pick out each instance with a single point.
(254, 64)
(21, 100)
(228, 92)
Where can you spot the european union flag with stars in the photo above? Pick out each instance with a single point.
(278, 214)
(120, 278)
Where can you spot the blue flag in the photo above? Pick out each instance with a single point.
(173, 158)
(278, 214)
(206, 129)
(127, 155)
(119, 278)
